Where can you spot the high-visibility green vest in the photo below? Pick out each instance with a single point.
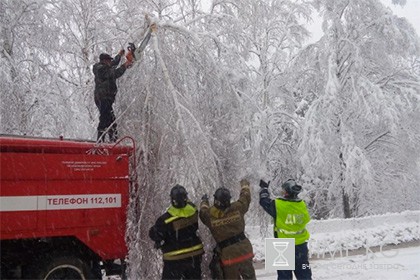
(291, 220)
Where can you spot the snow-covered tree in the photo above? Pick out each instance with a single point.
(225, 93)
(350, 150)
(21, 92)
(179, 103)
(266, 36)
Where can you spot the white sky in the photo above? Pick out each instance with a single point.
(411, 11)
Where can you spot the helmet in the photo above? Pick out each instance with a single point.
(104, 56)
(291, 187)
(179, 196)
(222, 198)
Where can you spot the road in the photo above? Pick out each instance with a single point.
(394, 262)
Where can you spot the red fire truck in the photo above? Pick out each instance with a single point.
(63, 207)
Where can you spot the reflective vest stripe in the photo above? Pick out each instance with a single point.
(238, 259)
(279, 230)
(168, 220)
(183, 251)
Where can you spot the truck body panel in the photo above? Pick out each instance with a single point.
(65, 188)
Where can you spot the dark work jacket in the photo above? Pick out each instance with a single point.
(177, 236)
(267, 203)
(105, 79)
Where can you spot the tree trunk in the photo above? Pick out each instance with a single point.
(345, 196)
(346, 205)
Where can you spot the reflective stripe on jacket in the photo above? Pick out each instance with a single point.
(177, 230)
(184, 253)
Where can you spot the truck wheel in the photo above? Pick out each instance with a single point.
(64, 267)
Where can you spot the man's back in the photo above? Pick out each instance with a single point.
(105, 80)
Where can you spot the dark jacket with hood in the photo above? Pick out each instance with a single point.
(105, 79)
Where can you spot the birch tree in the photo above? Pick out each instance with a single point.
(179, 103)
(275, 32)
(19, 94)
(48, 47)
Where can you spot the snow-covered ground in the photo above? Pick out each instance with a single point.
(384, 247)
(333, 237)
(398, 264)
(359, 248)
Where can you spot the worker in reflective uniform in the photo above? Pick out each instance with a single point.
(227, 224)
(175, 233)
(290, 218)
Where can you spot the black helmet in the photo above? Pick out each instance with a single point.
(179, 196)
(291, 187)
(222, 198)
(104, 56)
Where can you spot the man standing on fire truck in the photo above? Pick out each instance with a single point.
(175, 233)
(106, 74)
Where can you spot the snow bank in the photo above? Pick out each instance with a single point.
(337, 225)
(336, 237)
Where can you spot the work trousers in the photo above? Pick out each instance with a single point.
(302, 269)
(106, 119)
(189, 268)
(243, 269)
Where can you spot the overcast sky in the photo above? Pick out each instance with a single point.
(411, 11)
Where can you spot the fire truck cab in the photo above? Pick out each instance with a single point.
(63, 207)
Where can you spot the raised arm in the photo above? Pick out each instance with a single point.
(244, 196)
(204, 210)
(265, 201)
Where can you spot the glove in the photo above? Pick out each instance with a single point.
(244, 182)
(129, 57)
(153, 27)
(128, 64)
(205, 197)
(264, 184)
(121, 52)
